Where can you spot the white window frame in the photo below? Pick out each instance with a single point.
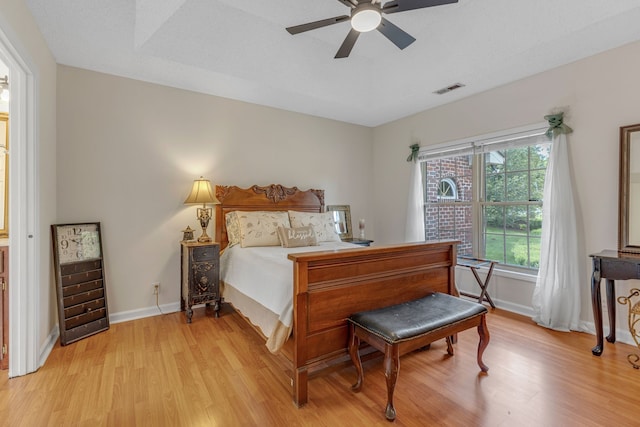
(510, 138)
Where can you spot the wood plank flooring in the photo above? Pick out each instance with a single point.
(160, 371)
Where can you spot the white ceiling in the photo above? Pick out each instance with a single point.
(239, 48)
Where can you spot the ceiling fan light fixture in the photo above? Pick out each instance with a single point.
(366, 18)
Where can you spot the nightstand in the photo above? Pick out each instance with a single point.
(200, 276)
(361, 242)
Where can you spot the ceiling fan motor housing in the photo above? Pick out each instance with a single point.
(365, 17)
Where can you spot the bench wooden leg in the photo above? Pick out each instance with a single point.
(354, 345)
(391, 369)
(450, 345)
(484, 341)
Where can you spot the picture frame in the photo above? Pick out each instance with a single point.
(342, 218)
(80, 284)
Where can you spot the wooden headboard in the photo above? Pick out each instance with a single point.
(274, 197)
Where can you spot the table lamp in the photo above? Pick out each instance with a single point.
(201, 192)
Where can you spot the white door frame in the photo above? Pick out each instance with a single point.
(24, 263)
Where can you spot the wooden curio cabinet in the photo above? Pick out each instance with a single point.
(200, 277)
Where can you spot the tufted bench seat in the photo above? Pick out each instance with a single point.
(401, 328)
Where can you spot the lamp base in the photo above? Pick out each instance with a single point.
(204, 215)
(204, 238)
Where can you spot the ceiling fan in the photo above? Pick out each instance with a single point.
(366, 15)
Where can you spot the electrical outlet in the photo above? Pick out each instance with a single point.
(156, 288)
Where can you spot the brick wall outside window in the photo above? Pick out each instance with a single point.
(447, 218)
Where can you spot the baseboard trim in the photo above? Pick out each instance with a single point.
(125, 316)
(49, 343)
(507, 306)
(622, 335)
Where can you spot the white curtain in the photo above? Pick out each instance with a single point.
(556, 298)
(414, 231)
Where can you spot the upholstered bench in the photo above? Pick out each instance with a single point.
(399, 329)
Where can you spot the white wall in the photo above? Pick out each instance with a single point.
(129, 151)
(18, 24)
(598, 94)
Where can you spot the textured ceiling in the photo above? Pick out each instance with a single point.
(239, 48)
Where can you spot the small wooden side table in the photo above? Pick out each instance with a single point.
(473, 264)
(200, 276)
(610, 265)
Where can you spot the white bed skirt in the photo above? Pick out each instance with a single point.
(267, 322)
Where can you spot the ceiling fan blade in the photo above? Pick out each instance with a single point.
(349, 3)
(317, 24)
(402, 5)
(395, 34)
(347, 44)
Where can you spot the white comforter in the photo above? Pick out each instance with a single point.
(265, 275)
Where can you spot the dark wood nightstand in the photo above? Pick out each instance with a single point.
(200, 276)
(361, 242)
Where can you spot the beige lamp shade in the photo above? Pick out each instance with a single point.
(201, 192)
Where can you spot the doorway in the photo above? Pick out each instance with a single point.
(4, 241)
(24, 304)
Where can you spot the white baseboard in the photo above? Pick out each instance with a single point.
(49, 343)
(622, 335)
(125, 316)
(506, 305)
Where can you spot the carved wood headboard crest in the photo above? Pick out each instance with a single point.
(274, 192)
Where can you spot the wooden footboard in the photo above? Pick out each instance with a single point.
(330, 286)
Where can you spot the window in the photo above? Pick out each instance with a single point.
(488, 195)
(447, 189)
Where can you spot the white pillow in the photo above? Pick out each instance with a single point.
(323, 224)
(260, 228)
(233, 228)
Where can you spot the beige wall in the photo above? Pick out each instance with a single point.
(128, 152)
(19, 26)
(599, 94)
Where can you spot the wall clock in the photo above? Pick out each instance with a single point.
(77, 242)
(80, 284)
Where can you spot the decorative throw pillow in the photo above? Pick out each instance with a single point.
(233, 228)
(297, 237)
(260, 228)
(323, 224)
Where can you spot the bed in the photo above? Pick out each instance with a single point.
(327, 282)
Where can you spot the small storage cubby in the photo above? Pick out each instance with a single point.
(80, 284)
(84, 307)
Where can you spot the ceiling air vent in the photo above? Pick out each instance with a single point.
(449, 88)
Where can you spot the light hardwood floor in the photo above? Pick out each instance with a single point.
(216, 372)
